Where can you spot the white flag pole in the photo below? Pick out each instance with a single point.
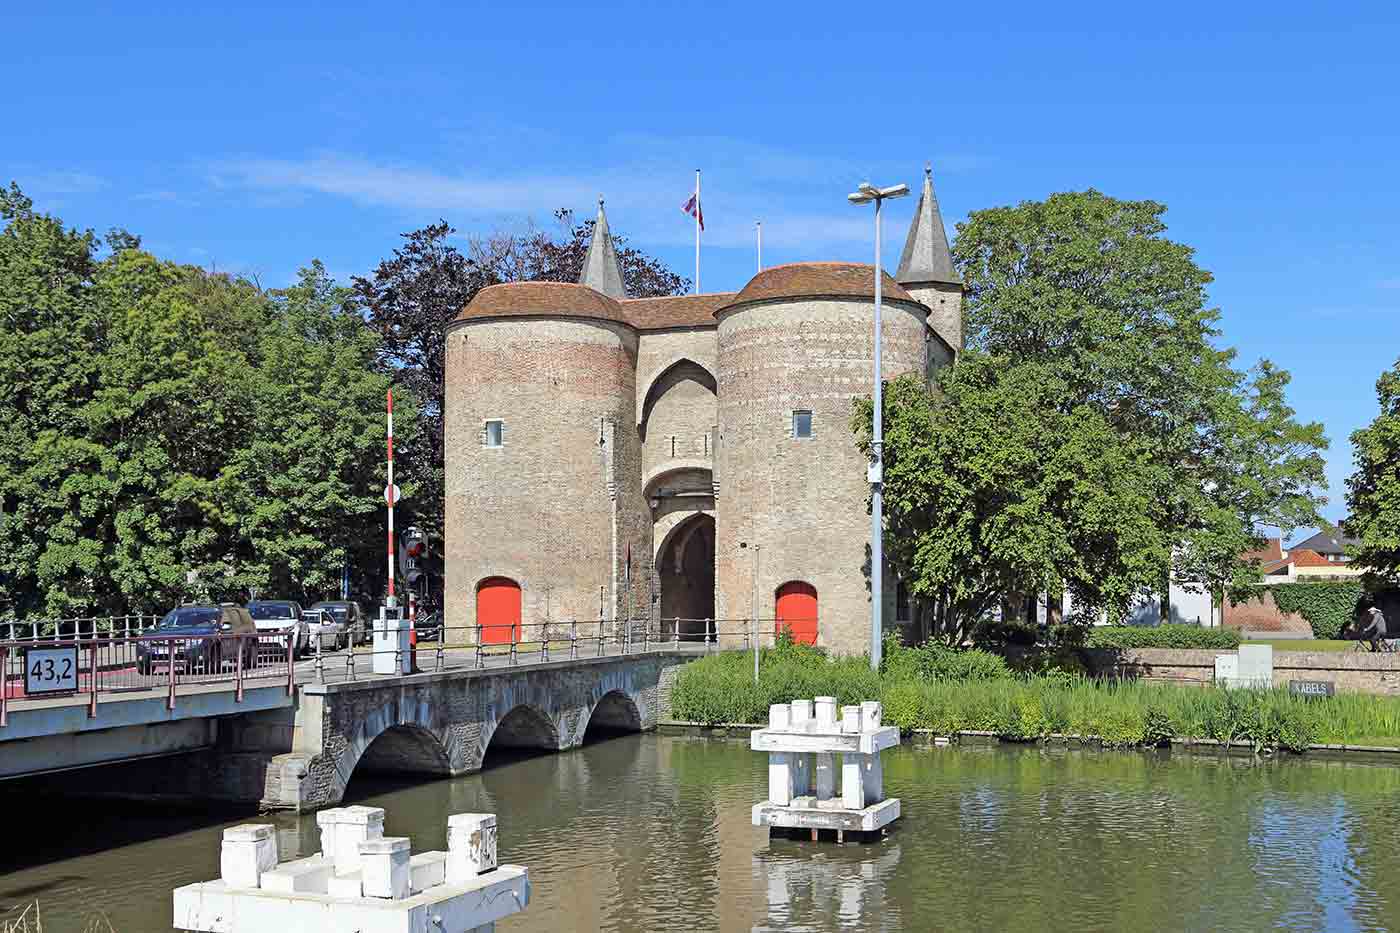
(759, 225)
(697, 231)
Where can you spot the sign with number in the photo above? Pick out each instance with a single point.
(51, 670)
(1312, 688)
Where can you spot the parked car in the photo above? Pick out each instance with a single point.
(324, 630)
(350, 615)
(197, 644)
(280, 616)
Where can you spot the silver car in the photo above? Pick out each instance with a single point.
(280, 616)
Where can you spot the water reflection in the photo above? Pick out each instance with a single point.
(653, 833)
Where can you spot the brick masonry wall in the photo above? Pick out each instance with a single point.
(1263, 615)
(803, 500)
(542, 509)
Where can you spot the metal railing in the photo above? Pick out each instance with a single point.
(128, 664)
(42, 669)
(73, 628)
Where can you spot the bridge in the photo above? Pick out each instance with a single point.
(291, 733)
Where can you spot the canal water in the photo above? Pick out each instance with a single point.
(650, 832)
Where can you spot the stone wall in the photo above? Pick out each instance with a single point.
(1351, 671)
(802, 499)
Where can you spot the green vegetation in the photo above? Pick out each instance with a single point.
(1162, 636)
(1094, 438)
(1304, 644)
(160, 420)
(1373, 491)
(921, 689)
(1328, 607)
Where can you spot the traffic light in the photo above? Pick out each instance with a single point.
(415, 545)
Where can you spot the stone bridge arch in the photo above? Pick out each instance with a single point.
(442, 724)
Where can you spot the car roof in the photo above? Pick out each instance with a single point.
(273, 602)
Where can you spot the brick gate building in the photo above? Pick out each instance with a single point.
(708, 436)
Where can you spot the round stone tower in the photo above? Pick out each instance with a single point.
(542, 459)
(795, 349)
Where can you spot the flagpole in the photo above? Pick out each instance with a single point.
(759, 225)
(697, 231)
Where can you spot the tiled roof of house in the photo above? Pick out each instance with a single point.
(1304, 557)
(1273, 551)
(1324, 544)
(819, 280)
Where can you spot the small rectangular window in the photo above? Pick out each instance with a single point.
(495, 433)
(802, 423)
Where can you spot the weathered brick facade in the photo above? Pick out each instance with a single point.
(667, 424)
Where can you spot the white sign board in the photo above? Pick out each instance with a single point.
(392, 493)
(51, 670)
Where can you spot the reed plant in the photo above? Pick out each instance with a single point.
(1028, 707)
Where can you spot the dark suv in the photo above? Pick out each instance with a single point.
(195, 632)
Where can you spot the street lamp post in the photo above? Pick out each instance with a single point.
(864, 194)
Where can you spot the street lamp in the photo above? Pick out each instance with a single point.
(865, 193)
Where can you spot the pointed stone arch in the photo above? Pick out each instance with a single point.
(649, 390)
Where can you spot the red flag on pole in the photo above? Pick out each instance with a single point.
(692, 207)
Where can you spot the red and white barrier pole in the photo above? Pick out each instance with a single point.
(389, 498)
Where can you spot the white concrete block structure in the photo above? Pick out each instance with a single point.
(361, 880)
(803, 740)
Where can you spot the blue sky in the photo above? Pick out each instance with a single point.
(254, 137)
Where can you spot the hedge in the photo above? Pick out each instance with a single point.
(1328, 607)
(1162, 636)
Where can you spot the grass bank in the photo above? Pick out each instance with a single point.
(983, 695)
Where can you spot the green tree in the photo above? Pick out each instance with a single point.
(159, 419)
(1088, 287)
(1093, 437)
(1002, 484)
(1373, 491)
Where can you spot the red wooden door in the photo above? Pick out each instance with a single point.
(498, 610)
(797, 611)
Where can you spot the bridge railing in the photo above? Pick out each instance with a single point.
(512, 643)
(74, 628)
(44, 669)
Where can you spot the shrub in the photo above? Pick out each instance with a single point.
(998, 633)
(1163, 636)
(934, 660)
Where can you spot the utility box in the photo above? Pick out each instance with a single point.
(391, 643)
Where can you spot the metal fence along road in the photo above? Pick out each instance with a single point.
(38, 672)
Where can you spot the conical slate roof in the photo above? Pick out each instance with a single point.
(601, 270)
(926, 257)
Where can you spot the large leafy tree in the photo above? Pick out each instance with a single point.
(1373, 491)
(1082, 298)
(1003, 484)
(161, 420)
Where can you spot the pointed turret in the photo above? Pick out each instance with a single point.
(601, 270)
(926, 268)
(926, 257)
